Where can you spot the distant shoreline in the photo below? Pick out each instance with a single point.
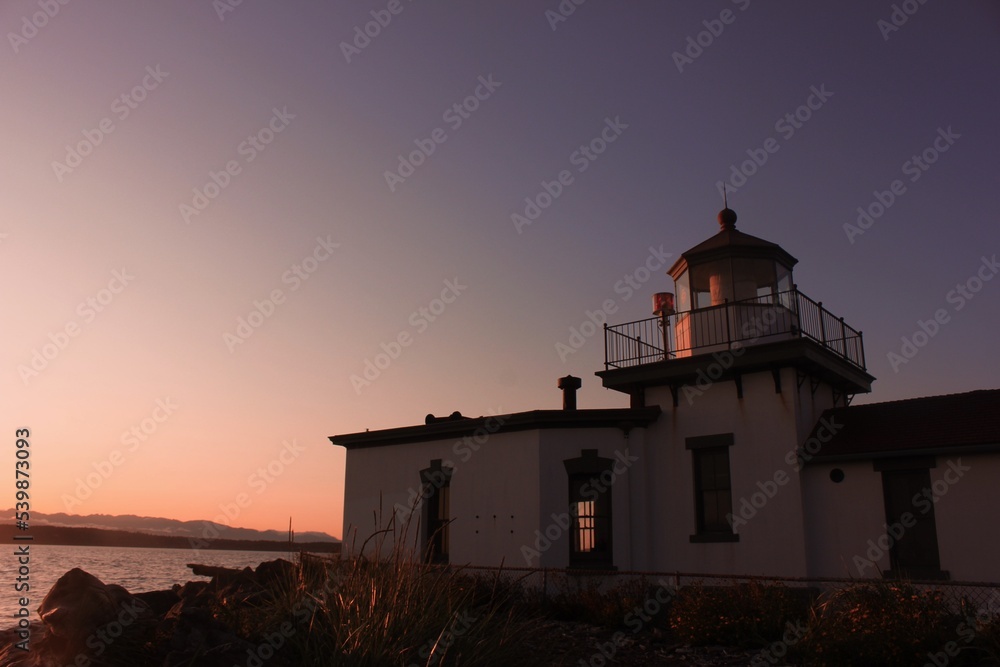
(98, 537)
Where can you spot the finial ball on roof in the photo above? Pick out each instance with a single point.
(727, 218)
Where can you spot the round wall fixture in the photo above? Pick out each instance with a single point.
(837, 475)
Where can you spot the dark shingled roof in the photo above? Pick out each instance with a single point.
(954, 423)
(459, 427)
(731, 243)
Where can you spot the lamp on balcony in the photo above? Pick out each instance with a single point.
(663, 307)
(663, 304)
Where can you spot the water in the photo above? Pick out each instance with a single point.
(136, 569)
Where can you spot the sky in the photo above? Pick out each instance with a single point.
(231, 230)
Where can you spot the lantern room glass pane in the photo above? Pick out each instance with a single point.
(784, 278)
(683, 288)
(711, 283)
(754, 278)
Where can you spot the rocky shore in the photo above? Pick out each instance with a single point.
(85, 622)
(88, 623)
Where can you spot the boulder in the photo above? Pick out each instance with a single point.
(79, 603)
(81, 612)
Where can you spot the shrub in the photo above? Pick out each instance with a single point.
(750, 614)
(393, 609)
(877, 623)
(584, 599)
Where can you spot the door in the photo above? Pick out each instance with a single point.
(915, 552)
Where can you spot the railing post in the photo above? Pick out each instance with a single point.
(663, 335)
(861, 347)
(607, 364)
(822, 322)
(843, 336)
(729, 338)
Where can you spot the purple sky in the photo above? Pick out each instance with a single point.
(308, 137)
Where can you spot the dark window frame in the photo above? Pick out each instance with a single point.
(596, 528)
(435, 483)
(712, 450)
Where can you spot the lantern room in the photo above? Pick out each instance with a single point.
(733, 291)
(733, 287)
(731, 266)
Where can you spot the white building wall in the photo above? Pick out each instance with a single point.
(494, 500)
(968, 541)
(558, 445)
(765, 429)
(847, 519)
(494, 493)
(842, 518)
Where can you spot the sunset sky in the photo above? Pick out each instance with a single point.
(169, 168)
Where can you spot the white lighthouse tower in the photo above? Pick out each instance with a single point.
(742, 365)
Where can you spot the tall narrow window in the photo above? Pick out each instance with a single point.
(436, 483)
(590, 478)
(713, 495)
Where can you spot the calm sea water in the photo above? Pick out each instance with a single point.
(136, 569)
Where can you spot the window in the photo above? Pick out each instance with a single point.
(590, 481)
(436, 484)
(713, 495)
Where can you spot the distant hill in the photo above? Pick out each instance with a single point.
(186, 530)
(98, 537)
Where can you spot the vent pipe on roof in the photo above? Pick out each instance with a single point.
(569, 385)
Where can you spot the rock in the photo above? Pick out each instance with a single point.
(88, 622)
(160, 602)
(220, 574)
(81, 612)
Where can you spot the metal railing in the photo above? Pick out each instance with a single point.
(789, 314)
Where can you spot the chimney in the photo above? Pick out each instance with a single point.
(569, 385)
